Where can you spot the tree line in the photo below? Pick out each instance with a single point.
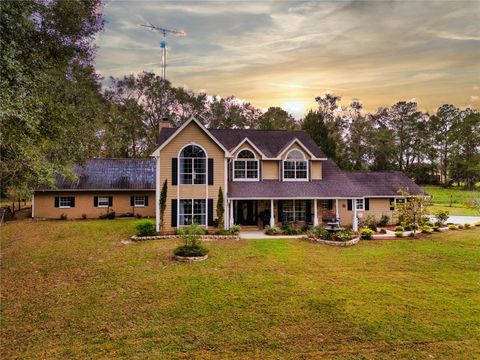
(54, 112)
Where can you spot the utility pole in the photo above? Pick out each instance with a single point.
(163, 43)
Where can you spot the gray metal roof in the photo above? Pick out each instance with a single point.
(111, 174)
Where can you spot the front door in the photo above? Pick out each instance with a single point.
(246, 212)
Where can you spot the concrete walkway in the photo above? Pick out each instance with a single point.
(258, 234)
(460, 220)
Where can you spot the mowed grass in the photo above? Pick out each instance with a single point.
(71, 289)
(451, 199)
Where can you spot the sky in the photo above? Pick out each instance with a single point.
(284, 53)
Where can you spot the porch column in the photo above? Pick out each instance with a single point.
(231, 213)
(337, 216)
(315, 213)
(272, 214)
(355, 218)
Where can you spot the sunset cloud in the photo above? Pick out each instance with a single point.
(281, 52)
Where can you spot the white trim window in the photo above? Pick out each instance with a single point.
(65, 202)
(192, 211)
(295, 167)
(245, 166)
(294, 210)
(138, 201)
(103, 201)
(360, 204)
(193, 165)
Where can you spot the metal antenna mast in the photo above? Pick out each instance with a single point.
(163, 43)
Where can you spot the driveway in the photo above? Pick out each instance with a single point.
(457, 219)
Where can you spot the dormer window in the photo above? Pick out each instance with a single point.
(245, 166)
(193, 165)
(295, 167)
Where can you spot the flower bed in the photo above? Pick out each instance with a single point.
(339, 243)
(203, 237)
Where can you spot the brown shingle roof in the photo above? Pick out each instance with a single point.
(111, 174)
(335, 183)
(269, 142)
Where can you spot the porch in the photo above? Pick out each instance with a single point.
(254, 214)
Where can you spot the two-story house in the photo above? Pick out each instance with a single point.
(268, 178)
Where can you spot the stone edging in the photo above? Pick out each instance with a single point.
(339, 243)
(203, 237)
(190, 259)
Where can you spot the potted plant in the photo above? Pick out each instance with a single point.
(192, 249)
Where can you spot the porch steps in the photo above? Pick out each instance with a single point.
(249, 228)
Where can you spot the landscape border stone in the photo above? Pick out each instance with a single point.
(190, 259)
(203, 237)
(339, 243)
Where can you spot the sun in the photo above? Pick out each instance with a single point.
(297, 107)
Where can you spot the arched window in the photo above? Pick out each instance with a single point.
(193, 165)
(245, 166)
(295, 167)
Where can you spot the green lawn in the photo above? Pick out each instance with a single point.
(71, 289)
(451, 199)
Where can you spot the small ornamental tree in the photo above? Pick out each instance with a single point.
(163, 204)
(220, 208)
(413, 210)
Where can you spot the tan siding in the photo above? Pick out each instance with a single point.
(270, 170)
(191, 134)
(316, 168)
(378, 208)
(45, 204)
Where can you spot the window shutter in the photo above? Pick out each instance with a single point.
(146, 200)
(95, 201)
(280, 210)
(132, 203)
(174, 171)
(308, 215)
(392, 203)
(210, 212)
(174, 212)
(330, 204)
(349, 204)
(367, 204)
(210, 171)
(110, 201)
(260, 169)
(57, 201)
(72, 201)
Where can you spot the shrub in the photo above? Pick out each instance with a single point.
(323, 233)
(442, 216)
(369, 222)
(192, 245)
(290, 230)
(407, 227)
(466, 226)
(234, 229)
(426, 229)
(305, 228)
(343, 235)
(111, 215)
(435, 228)
(452, 227)
(399, 228)
(429, 223)
(312, 235)
(366, 233)
(145, 228)
(477, 223)
(460, 226)
(272, 230)
(84, 216)
(383, 231)
(383, 220)
(399, 233)
(222, 232)
(63, 216)
(138, 216)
